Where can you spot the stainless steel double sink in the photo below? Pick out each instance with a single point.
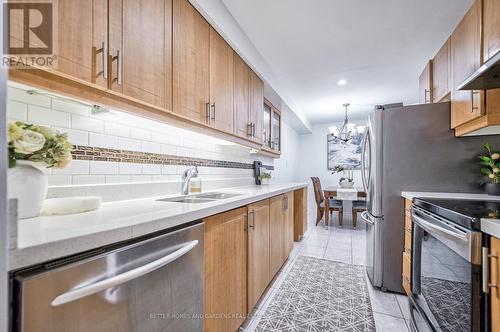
(200, 198)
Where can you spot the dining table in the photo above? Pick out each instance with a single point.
(331, 192)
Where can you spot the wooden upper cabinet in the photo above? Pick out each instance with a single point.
(221, 83)
(465, 60)
(82, 40)
(258, 251)
(241, 102)
(491, 28)
(425, 85)
(256, 106)
(226, 270)
(140, 50)
(441, 74)
(276, 233)
(191, 62)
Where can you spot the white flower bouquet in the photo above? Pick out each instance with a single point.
(38, 144)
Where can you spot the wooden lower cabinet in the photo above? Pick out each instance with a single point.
(225, 270)
(276, 232)
(288, 223)
(258, 251)
(495, 279)
(407, 248)
(299, 213)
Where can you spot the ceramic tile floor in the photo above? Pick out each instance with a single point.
(345, 245)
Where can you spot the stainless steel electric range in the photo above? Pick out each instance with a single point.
(446, 272)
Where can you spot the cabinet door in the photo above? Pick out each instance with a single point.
(140, 50)
(221, 83)
(425, 85)
(300, 213)
(256, 105)
(495, 278)
(276, 130)
(191, 62)
(82, 40)
(241, 104)
(225, 270)
(491, 28)
(465, 59)
(441, 73)
(288, 224)
(277, 230)
(258, 251)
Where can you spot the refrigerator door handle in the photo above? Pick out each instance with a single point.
(81, 292)
(363, 175)
(366, 218)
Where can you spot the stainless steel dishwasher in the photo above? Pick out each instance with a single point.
(152, 285)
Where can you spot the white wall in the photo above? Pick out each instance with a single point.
(313, 161)
(286, 168)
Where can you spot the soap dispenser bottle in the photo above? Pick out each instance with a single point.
(195, 183)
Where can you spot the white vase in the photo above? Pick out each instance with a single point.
(265, 181)
(29, 185)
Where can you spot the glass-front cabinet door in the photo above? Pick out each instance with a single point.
(266, 130)
(272, 128)
(276, 130)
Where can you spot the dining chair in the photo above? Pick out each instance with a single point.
(358, 206)
(333, 204)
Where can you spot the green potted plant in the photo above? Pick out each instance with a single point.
(492, 170)
(32, 148)
(265, 177)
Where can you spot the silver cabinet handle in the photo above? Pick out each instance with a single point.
(81, 292)
(104, 56)
(207, 107)
(474, 108)
(251, 225)
(253, 129)
(213, 108)
(426, 91)
(366, 218)
(249, 129)
(486, 270)
(432, 228)
(118, 59)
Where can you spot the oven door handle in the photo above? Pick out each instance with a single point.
(433, 228)
(81, 292)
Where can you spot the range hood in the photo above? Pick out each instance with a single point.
(486, 77)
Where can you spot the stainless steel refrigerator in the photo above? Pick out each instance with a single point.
(410, 148)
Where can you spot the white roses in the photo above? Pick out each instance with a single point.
(29, 142)
(38, 144)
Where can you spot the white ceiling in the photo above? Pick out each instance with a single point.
(380, 47)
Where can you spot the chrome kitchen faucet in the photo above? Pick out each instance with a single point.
(186, 177)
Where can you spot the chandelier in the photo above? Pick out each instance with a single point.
(346, 132)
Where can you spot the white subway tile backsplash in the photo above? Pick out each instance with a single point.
(46, 116)
(116, 129)
(103, 141)
(24, 97)
(160, 137)
(141, 178)
(88, 179)
(151, 147)
(118, 179)
(76, 137)
(168, 149)
(76, 167)
(151, 169)
(169, 169)
(141, 134)
(17, 110)
(130, 168)
(104, 168)
(159, 178)
(70, 107)
(59, 180)
(129, 144)
(87, 124)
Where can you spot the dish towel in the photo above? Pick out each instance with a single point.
(347, 194)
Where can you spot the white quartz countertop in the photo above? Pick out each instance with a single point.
(488, 225)
(481, 197)
(45, 238)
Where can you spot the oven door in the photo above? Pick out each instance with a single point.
(443, 277)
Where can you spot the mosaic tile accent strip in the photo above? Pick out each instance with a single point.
(441, 295)
(320, 295)
(81, 152)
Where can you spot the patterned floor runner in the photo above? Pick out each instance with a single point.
(320, 295)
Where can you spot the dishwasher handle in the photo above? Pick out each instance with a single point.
(81, 292)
